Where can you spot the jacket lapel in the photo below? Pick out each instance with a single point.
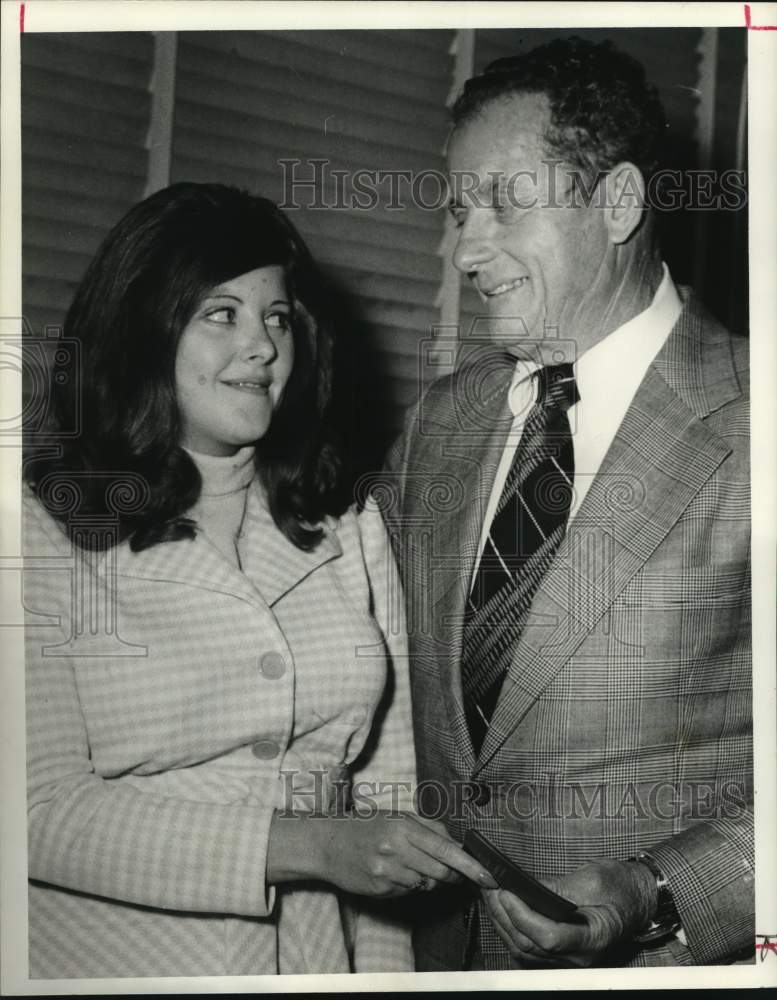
(467, 451)
(659, 460)
(269, 559)
(194, 562)
(271, 564)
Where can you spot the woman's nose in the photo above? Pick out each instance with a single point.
(258, 344)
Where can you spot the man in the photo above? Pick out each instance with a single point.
(571, 519)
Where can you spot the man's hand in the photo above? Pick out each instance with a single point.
(617, 898)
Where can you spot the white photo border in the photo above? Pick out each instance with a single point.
(170, 15)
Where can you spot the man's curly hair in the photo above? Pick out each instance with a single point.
(602, 109)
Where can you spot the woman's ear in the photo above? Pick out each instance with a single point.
(625, 202)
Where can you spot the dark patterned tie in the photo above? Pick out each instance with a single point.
(529, 523)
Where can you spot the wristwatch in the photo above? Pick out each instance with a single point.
(665, 921)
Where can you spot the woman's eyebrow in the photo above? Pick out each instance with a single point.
(215, 294)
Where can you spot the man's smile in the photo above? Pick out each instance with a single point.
(506, 286)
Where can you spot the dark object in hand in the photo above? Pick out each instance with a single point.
(510, 876)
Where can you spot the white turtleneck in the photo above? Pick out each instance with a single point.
(221, 505)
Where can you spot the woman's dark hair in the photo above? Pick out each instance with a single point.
(128, 314)
(602, 109)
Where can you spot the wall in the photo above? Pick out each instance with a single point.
(354, 101)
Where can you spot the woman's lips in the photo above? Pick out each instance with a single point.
(258, 387)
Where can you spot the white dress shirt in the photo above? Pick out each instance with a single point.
(608, 376)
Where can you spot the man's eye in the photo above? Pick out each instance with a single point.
(278, 321)
(224, 314)
(459, 216)
(503, 202)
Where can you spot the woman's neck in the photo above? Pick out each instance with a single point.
(224, 474)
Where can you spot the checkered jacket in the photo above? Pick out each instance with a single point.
(175, 702)
(624, 723)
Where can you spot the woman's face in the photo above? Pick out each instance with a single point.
(234, 358)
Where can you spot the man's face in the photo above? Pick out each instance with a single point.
(538, 257)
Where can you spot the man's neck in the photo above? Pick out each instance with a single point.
(634, 274)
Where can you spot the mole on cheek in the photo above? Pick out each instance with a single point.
(202, 380)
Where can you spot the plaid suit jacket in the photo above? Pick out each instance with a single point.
(624, 722)
(174, 703)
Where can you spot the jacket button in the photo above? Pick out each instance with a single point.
(272, 665)
(481, 794)
(265, 749)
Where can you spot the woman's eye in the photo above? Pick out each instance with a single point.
(225, 314)
(278, 321)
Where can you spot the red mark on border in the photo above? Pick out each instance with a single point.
(749, 24)
(766, 945)
(21, 18)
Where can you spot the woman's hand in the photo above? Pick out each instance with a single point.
(390, 854)
(383, 854)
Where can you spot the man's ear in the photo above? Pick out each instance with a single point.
(625, 202)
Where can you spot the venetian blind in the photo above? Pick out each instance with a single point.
(359, 101)
(85, 116)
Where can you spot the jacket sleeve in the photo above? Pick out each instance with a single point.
(101, 836)
(387, 773)
(388, 769)
(710, 868)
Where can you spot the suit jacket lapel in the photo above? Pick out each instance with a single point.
(459, 539)
(660, 458)
(467, 449)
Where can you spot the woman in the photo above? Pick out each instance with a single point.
(209, 659)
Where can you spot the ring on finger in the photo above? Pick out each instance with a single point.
(424, 884)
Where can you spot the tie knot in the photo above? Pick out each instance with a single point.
(557, 387)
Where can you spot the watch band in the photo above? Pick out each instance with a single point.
(665, 920)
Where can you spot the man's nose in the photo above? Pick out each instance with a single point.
(471, 251)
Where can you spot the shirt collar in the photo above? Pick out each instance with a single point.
(630, 349)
